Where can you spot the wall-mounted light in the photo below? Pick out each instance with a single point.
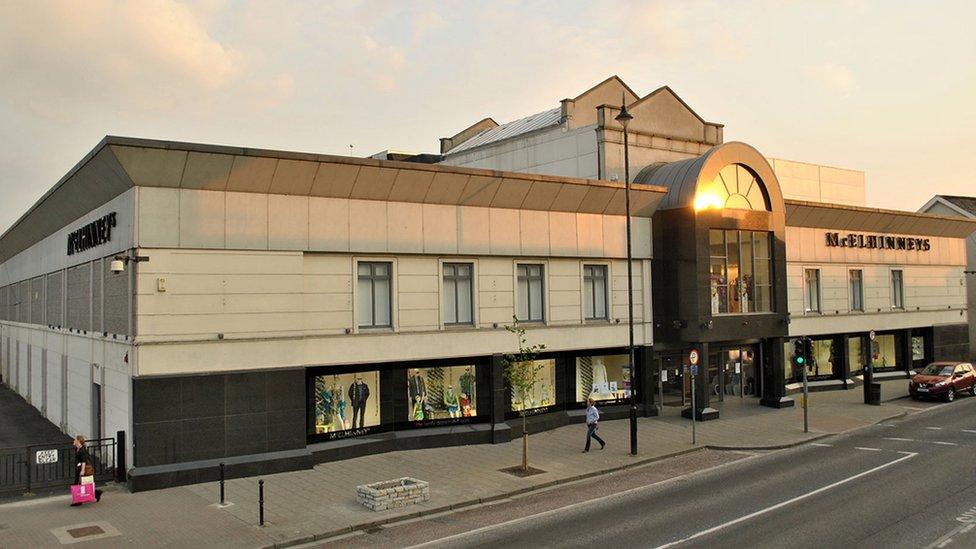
(707, 325)
(120, 261)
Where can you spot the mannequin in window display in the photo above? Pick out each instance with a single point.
(451, 402)
(545, 394)
(418, 409)
(601, 385)
(340, 409)
(416, 387)
(467, 382)
(325, 407)
(466, 405)
(358, 395)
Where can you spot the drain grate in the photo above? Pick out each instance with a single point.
(85, 532)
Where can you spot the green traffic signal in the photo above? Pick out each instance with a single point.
(799, 360)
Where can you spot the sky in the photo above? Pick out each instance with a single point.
(880, 86)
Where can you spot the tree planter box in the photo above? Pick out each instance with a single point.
(392, 494)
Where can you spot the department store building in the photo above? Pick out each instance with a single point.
(273, 309)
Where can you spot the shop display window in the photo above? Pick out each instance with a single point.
(822, 361)
(441, 393)
(918, 348)
(603, 378)
(855, 357)
(543, 393)
(346, 402)
(883, 351)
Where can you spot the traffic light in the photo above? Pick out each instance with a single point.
(799, 352)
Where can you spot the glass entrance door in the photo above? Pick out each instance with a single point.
(733, 372)
(675, 386)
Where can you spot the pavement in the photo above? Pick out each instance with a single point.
(303, 506)
(23, 425)
(902, 483)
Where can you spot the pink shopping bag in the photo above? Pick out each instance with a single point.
(82, 493)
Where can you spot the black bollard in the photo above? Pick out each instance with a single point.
(221, 483)
(260, 503)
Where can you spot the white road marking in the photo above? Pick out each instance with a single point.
(868, 449)
(969, 431)
(785, 503)
(944, 543)
(934, 428)
(922, 441)
(536, 516)
(821, 444)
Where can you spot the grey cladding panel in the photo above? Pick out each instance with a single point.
(3, 304)
(97, 296)
(116, 300)
(23, 302)
(37, 300)
(55, 298)
(79, 297)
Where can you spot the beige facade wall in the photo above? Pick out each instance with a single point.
(934, 284)
(189, 218)
(810, 182)
(301, 307)
(554, 151)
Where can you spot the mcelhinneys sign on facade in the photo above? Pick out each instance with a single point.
(880, 242)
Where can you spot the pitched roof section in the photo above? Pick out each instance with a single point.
(967, 203)
(516, 128)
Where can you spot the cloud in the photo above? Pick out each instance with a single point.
(837, 78)
(140, 54)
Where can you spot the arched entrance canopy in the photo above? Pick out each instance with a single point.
(732, 175)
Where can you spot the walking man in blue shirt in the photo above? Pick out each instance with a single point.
(592, 419)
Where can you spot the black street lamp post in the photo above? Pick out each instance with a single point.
(624, 118)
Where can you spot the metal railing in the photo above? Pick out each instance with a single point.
(46, 466)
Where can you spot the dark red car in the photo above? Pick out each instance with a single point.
(943, 380)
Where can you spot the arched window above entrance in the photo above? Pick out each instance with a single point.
(735, 187)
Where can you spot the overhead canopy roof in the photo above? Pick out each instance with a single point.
(801, 213)
(120, 163)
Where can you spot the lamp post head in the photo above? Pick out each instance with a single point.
(624, 117)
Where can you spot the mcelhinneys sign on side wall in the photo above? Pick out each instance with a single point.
(852, 240)
(96, 233)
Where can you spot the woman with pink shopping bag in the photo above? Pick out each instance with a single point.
(83, 489)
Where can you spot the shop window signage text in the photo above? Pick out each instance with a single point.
(851, 240)
(96, 233)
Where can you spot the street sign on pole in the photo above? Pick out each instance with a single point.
(694, 412)
(693, 357)
(871, 335)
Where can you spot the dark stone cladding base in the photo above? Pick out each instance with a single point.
(193, 472)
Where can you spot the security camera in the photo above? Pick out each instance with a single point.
(117, 266)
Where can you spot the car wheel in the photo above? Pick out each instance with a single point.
(914, 397)
(950, 394)
(972, 390)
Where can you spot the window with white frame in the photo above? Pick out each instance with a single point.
(373, 294)
(595, 292)
(458, 293)
(530, 293)
(856, 277)
(897, 289)
(811, 287)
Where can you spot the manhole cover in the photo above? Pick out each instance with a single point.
(86, 531)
